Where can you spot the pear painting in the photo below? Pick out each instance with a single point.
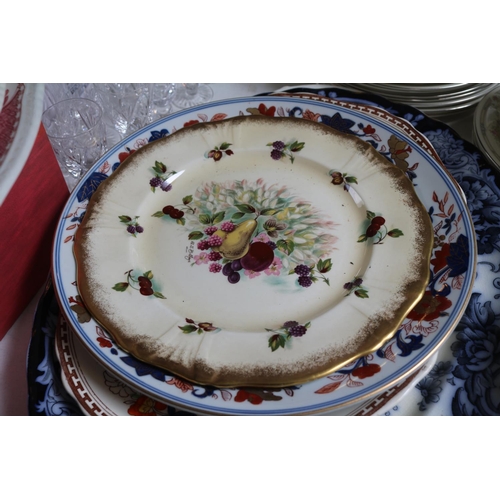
(236, 243)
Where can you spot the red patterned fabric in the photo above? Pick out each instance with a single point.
(28, 219)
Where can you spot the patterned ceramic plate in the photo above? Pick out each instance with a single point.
(99, 392)
(422, 332)
(19, 123)
(221, 247)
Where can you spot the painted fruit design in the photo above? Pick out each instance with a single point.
(249, 229)
(258, 258)
(246, 230)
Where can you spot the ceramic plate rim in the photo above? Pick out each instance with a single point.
(74, 377)
(26, 132)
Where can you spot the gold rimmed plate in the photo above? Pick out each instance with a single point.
(253, 251)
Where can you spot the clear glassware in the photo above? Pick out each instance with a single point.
(76, 131)
(160, 100)
(55, 92)
(192, 94)
(125, 105)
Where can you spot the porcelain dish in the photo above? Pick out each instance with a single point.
(291, 253)
(420, 335)
(20, 119)
(449, 387)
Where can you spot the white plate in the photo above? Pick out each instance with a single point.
(322, 248)
(20, 120)
(421, 334)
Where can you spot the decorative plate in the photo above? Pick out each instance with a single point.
(20, 119)
(274, 206)
(422, 332)
(99, 392)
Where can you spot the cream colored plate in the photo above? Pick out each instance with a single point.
(260, 196)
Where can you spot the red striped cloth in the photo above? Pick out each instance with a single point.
(28, 219)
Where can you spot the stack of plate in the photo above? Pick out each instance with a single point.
(341, 290)
(434, 99)
(486, 131)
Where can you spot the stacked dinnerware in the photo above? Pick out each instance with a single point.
(418, 337)
(434, 99)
